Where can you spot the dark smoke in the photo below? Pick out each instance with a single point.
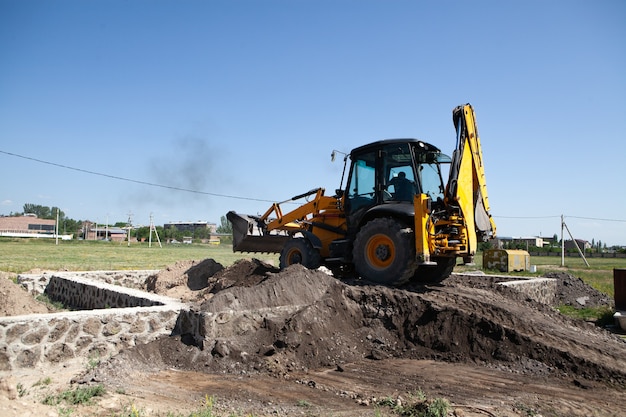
(188, 165)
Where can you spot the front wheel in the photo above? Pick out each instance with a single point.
(299, 251)
(384, 252)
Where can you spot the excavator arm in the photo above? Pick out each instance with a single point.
(467, 186)
(270, 231)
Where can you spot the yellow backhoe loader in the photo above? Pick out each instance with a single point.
(395, 220)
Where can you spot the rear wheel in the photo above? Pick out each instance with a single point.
(299, 251)
(433, 274)
(384, 252)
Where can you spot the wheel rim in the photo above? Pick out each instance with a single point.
(294, 256)
(380, 251)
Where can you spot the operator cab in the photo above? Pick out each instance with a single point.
(392, 171)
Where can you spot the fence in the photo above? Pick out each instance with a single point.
(576, 255)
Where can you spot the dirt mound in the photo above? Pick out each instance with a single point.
(193, 280)
(573, 291)
(178, 280)
(256, 319)
(15, 300)
(243, 273)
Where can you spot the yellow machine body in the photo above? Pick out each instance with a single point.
(369, 229)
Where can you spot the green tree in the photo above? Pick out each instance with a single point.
(170, 233)
(70, 226)
(225, 226)
(483, 246)
(143, 232)
(66, 225)
(202, 233)
(43, 212)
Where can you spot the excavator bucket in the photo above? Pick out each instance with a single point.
(245, 239)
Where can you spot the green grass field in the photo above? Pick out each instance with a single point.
(21, 255)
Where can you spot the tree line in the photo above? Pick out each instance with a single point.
(76, 227)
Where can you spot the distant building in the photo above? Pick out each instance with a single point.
(531, 241)
(29, 225)
(93, 231)
(582, 244)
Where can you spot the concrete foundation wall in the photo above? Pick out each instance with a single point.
(37, 283)
(37, 339)
(205, 329)
(542, 290)
(34, 340)
(83, 294)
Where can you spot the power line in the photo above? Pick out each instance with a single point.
(565, 215)
(151, 184)
(596, 218)
(526, 217)
(170, 187)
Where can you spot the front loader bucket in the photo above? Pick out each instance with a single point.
(244, 239)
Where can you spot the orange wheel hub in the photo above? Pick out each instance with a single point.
(380, 251)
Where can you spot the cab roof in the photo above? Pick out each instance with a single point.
(427, 147)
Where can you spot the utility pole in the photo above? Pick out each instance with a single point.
(582, 255)
(57, 228)
(562, 242)
(129, 227)
(155, 232)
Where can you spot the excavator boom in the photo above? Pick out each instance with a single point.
(467, 186)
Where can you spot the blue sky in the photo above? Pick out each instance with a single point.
(248, 99)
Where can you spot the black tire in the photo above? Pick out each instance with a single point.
(299, 251)
(434, 274)
(384, 252)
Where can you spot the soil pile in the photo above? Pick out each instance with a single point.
(15, 300)
(183, 278)
(258, 319)
(573, 291)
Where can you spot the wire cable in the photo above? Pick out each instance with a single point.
(565, 216)
(596, 218)
(151, 184)
(526, 217)
(170, 187)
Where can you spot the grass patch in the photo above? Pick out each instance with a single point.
(602, 316)
(303, 404)
(93, 362)
(525, 410)
(76, 396)
(417, 405)
(22, 255)
(52, 305)
(21, 391)
(43, 382)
